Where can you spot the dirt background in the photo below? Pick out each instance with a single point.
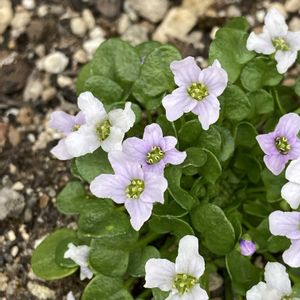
(31, 87)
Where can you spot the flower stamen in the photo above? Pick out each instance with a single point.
(76, 127)
(280, 44)
(198, 91)
(103, 130)
(155, 155)
(282, 145)
(183, 283)
(135, 188)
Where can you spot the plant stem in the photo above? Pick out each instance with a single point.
(278, 101)
(145, 293)
(129, 283)
(152, 236)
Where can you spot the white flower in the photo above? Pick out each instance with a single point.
(291, 190)
(276, 38)
(181, 278)
(80, 255)
(70, 296)
(276, 287)
(101, 129)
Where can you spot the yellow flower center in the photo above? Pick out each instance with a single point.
(198, 91)
(183, 283)
(103, 130)
(135, 188)
(155, 155)
(282, 145)
(280, 44)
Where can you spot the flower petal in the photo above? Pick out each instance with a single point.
(174, 157)
(277, 278)
(285, 224)
(208, 111)
(70, 296)
(186, 71)
(267, 143)
(291, 193)
(60, 151)
(136, 148)
(139, 212)
(109, 186)
(260, 43)
(62, 122)
(288, 126)
(153, 135)
(170, 142)
(261, 291)
(82, 141)
(92, 108)
(275, 23)
(293, 39)
(79, 119)
(114, 141)
(215, 78)
(292, 172)
(276, 163)
(189, 261)
(160, 274)
(291, 256)
(285, 59)
(197, 293)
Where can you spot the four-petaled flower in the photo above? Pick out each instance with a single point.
(182, 277)
(197, 91)
(154, 151)
(282, 144)
(136, 188)
(247, 247)
(101, 129)
(276, 38)
(287, 224)
(277, 285)
(66, 124)
(80, 255)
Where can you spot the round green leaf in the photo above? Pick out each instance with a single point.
(144, 49)
(262, 102)
(60, 252)
(83, 75)
(196, 157)
(245, 135)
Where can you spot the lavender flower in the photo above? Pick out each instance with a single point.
(282, 144)
(66, 124)
(136, 188)
(197, 91)
(287, 224)
(154, 151)
(247, 247)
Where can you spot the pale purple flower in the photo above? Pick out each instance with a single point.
(66, 124)
(276, 38)
(70, 296)
(247, 247)
(277, 286)
(137, 188)
(287, 224)
(197, 91)
(282, 144)
(182, 277)
(154, 151)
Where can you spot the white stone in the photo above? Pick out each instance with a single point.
(292, 5)
(6, 14)
(136, 34)
(78, 26)
(14, 251)
(233, 11)
(90, 46)
(40, 292)
(55, 62)
(123, 23)
(88, 18)
(64, 81)
(11, 235)
(152, 10)
(12, 203)
(43, 10)
(295, 24)
(177, 24)
(28, 4)
(18, 186)
(214, 32)
(260, 16)
(20, 20)
(80, 56)
(198, 7)
(49, 93)
(97, 32)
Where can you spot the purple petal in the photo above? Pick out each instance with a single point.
(157, 168)
(177, 103)
(208, 111)
(174, 157)
(79, 119)
(185, 71)
(247, 247)
(109, 186)
(136, 148)
(291, 256)
(288, 126)
(285, 224)
(215, 78)
(276, 163)
(170, 142)
(139, 212)
(267, 143)
(295, 149)
(60, 151)
(62, 122)
(153, 136)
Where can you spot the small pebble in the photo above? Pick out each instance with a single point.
(49, 93)
(88, 18)
(18, 186)
(64, 81)
(80, 56)
(29, 4)
(78, 26)
(14, 251)
(56, 62)
(11, 235)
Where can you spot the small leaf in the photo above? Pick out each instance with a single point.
(196, 157)
(245, 135)
(273, 185)
(83, 75)
(262, 102)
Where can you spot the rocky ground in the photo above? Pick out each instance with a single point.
(34, 36)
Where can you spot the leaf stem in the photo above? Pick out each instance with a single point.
(145, 293)
(275, 92)
(152, 236)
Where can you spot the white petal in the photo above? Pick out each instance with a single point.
(82, 141)
(291, 256)
(262, 292)
(292, 172)
(122, 118)
(293, 40)
(197, 293)
(189, 261)
(70, 296)
(92, 108)
(277, 278)
(284, 60)
(160, 274)
(114, 141)
(275, 23)
(60, 151)
(291, 193)
(260, 43)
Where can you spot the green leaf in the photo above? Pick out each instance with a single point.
(239, 23)
(260, 72)
(103, 258)
(61, 248)
(138, 259)
(211, 140)
(235, 104)
(262, 102)
(44, 256)
(273, 185)
(106, 90)
(227, 146)
(155, 76)
(231, 58)
(297, 87)
(216, 230)
(196, 157)
(118, 61)
(189, 134)
(144, 49)
(83, 75)
(245, 135)
(242, 273)
(91, 165)
(72, 198)
(104, 287)
(159, 295)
